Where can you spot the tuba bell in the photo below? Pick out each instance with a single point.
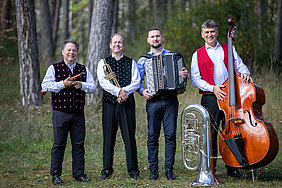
(196, 144)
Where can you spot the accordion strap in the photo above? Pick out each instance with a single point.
(147, 56)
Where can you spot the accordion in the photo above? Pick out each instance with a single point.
(162, 74)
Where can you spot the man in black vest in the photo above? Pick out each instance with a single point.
(68, 100)
(119, 106)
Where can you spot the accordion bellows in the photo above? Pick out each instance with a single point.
(162, 74)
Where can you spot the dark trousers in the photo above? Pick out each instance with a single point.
(216, 117)
(158, 110)
(62, 124)
(124, 115)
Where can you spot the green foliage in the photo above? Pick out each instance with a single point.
(181, 29)
(77, 6)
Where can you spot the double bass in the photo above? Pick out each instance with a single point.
(246, 141)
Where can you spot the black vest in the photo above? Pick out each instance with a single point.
(122, 70)
(68, 99)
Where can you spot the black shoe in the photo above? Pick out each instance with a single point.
(56, 180)
(235, 173)
(169, 174)
(82, 178)
(154, 175)
(106, 174)
(135, 175)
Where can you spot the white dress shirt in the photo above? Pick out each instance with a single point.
(49, 83)
(220, 73)
(111, 88)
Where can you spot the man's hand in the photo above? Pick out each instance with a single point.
(146, 95)
(246, 78)
(77, 84)
(122, 96)
(183, 73)
(68, 82)
(220, 95)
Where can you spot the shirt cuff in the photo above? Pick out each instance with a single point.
(210, 88)
(116, 91)
(61, 84)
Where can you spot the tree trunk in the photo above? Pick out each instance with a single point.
(55, 27)
(99, 40)
(65, 22)
(260, 20)
(28, 54)
(6, 15)
(160, 12)
(115, 18)
(249, 51)
(131, 20)
(278, 33)
(46, 42)
(90, 15)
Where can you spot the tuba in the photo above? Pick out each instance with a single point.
(196, 144)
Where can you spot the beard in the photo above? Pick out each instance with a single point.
(156, 46)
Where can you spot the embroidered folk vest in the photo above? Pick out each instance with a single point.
(68, 99)
(122, 69)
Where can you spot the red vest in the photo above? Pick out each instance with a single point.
(206, 66)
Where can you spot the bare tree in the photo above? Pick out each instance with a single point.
(260, 19)
(249, 49)
(131, 20)
(6, 15)
(65, 22)
(55, 23)
(115, 19)
(46, 42)
(99, 40)
(90, 14)
(160, 11)
(28, 54)
(278, 33)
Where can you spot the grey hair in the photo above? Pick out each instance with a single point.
(209, 24)
(69, 41)
(115, 34)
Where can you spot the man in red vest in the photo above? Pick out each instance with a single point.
(209, 70)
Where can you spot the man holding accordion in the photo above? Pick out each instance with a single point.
(160, 106)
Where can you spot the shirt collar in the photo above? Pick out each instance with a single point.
(209, 47)
(117, 58)
(71, 67)
(163, 51)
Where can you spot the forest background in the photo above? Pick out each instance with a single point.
(30, 38)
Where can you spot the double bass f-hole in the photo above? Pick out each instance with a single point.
(250, 119)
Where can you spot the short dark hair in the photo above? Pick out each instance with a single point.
(153, 29)
(209, 24)
(117, 34)
(69, 41)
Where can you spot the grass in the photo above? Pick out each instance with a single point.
(26, 137)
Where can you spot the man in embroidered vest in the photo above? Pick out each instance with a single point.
(159, 109)
(208, 73)
(119, 107)
(68, 100)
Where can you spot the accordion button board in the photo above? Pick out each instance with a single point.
(162, 73)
